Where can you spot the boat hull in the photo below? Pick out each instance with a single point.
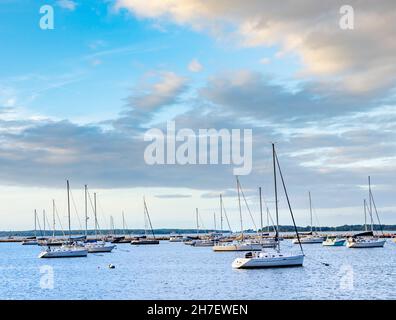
(237, 247)
(308, 240)
(30, 243)
(64, 254)
(97, 249)
(144, 242)
(366, 244)
(268, 262)
(336, 243)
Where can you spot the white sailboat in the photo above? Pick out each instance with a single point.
(201, 242)
(241, 244)
(367, 239)
(98, 246)
(274, 259)
(70, 250)
(311, 237)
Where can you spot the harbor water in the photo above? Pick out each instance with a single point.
(178, 271)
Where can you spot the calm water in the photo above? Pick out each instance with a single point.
(177, 271)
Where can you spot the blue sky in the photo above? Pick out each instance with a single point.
(74, 101)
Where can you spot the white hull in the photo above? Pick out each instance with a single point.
(309, 240)
(175, 239)
(99, 248)
(366, 244)
(73, 253)
(238, 247)
(269, 261)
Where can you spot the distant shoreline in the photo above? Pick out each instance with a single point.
(160, 231)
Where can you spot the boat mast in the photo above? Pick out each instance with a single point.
(371, 207)
(310, 209)
(148, 217)
(214, 218)
(86, 211)
(365, 215)
(35, 223)
(276, 195)
(196, 217)
(221, 213)
(96, 219)
(239, 204)
(261, 213)
(44, 222)
(53, 218)
(68, 207)
(123, 223)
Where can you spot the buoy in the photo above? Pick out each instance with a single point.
(111, 266)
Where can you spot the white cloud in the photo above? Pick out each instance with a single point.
(195, 66)
(67, 4)
(354, 58)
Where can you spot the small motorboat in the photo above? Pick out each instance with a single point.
(333, 242)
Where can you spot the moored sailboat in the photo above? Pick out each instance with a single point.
(145, 240)
(367, 239)
(274, 259)
(69, 250)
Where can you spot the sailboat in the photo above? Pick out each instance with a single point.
(311, 237)
(274, 259)
(32, 241)
(266, 242)
(145, 239)
(241, 244)
(201, 242)
(97, 246)
(70, 249)
(367, 239)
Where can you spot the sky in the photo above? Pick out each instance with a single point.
(76, 101)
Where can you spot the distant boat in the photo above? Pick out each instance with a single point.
(69, 250)
(32, 241)
(367, 239)
(240, 244)
(311, 237)
(145, 240)
(176, 238)
(333, 241)
(274, 259)
(203, 243)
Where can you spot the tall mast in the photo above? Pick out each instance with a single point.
(310, 209)
(221, 212)
(148, 217)
(214, 219)
(196, 217)
(365, 215)
(53, 218)
(261, 212)
(68, 207)
(268, 224)
(44, 222)
(96, 219)
(35, 223)
(86, 210)
(371, 207)
(276, 192)
(123, 222)
(239, 203)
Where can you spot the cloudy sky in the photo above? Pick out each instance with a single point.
(76, 101)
